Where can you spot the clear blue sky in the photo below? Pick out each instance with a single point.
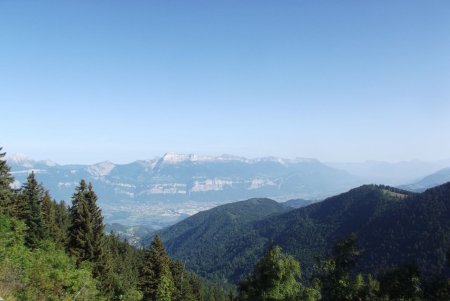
(86, 81)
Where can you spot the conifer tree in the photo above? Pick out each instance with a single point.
(155, 278)
(20, 208)
(6, 179)
(62, 222)
(49, 214)
(81, 229)
(182, 287)
(165, 288)
(86, 233)
(100, 259)
(55, 219)
(33, 194)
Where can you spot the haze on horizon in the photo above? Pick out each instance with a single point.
(85, 81)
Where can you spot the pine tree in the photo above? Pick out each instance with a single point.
(55, 219)
(86, 233)
(81, 235)
(33, 193)
(49, 215)
(63, 222)
(6, 179)
(165, 287)
(100, 258)
(154, 269)
(182, 287)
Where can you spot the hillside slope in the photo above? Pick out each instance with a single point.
(393, 227)
(210, 241)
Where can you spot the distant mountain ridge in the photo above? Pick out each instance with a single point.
(391, 173)
(166, 189)
(394, 226)
(440, 177)
(297, 203)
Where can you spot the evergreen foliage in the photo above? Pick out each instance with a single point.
(44, 273)
(6, 179)
(80, 230)
(393, 227)
(86, 233)
(183, 290)
(99, 258)
(122, 278)
(155, 266)
(165, 288)
(402, 283)
(276, 277)
(230, 246)
(338, 280)
(33, 194)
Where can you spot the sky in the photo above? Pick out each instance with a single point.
(88, 81)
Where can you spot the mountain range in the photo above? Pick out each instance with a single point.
(165, 190)
(391, 173)
(393, 226)
(162, 191)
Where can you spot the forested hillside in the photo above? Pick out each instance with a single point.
(210, 241)
(393, 227)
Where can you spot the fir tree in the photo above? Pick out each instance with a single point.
(55, 219)
(165, 288)
(63, 222)
(6, 178)
(99, 258)
(81, 235)
(6, 195)
(33, 194)
(154, 269)
(182, 287)
(86, 233)
(49, 215)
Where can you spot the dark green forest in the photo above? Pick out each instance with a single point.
(393, 227)
(372, 243)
